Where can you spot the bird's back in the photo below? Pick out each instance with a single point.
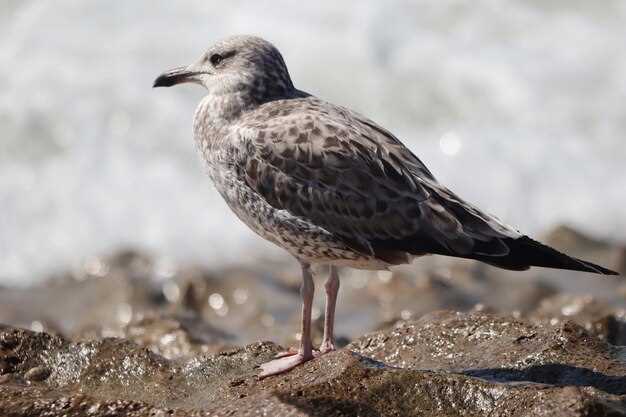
(341, 172)
(346, 177)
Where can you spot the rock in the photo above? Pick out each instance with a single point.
(112, 295)
(445, 364)
(247, 304)
(134, 335)
(8, 341)
(499, 348)
(174, 336)
(597, 318)
(108, 294)
(36, 374)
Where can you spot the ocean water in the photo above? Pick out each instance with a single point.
(518, 106)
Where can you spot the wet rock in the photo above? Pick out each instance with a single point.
(500, 348)
(176, 335)
(94, 301)
(445, 364)
(245, 303)
(598, 318)
(8, 341)
(38, 373)
(131, 334)
(106, 295)
(110, 295)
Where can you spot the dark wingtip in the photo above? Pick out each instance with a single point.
(563, 261)
(597, 269)
(525, 252)
(162, 80)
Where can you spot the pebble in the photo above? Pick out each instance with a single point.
(8, 341)
(37, 374)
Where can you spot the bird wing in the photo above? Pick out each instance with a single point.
(344, 173)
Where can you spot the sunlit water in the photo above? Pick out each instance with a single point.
(518, 106)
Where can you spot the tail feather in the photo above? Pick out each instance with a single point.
(525, 252)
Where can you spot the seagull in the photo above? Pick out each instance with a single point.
(329, 185)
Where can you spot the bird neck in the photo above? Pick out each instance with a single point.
(226, 107)
(215, 113)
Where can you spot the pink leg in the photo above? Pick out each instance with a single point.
(332, 289)
(305, 353)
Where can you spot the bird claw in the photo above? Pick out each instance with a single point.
(289, 352)
(326, 347)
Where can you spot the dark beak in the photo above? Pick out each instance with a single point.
(173, 77)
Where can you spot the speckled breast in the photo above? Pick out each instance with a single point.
(299, 237)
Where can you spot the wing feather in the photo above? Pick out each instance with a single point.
(346, 174)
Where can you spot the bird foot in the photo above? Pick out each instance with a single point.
(326, 347)
(289, 352)
(283, 364)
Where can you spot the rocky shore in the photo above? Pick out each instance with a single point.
(131, 335)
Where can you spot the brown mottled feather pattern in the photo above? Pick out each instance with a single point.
(331, 186)
(342, 172)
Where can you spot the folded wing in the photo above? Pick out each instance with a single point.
(342, 172)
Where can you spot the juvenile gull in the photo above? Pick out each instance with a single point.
(329, 185)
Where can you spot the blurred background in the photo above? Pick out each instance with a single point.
(518, 107)
(109, 226)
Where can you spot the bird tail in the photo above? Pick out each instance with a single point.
(525, 252)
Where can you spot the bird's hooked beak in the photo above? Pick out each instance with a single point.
(177, 75)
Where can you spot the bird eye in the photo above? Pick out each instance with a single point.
(216, 59)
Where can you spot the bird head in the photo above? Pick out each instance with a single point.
(239, 64)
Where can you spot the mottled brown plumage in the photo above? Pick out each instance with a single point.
(342, 172)
(329, 185)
